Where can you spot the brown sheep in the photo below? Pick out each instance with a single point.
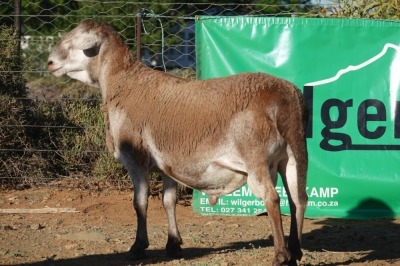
(213, 135)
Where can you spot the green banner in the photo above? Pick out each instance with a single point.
(349, 72)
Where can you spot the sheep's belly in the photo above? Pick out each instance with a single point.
(217, 178)
(222, 179)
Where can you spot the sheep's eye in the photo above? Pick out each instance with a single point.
(91, 52)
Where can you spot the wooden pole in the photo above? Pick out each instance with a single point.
(41, 210)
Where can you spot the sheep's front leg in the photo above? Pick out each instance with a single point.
(140, 203)
(173, 247)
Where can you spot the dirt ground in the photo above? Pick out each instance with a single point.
(104, 228)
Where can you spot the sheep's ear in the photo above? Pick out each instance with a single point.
(86, 41)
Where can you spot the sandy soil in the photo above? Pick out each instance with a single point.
(104, 228)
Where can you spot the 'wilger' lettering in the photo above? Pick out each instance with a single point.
(370, 110)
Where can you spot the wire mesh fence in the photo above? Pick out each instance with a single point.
(165, 27)
(55, 127)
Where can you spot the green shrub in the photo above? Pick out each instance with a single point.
(371, 9)
(73, 132)
(12, 82)
(12, 107)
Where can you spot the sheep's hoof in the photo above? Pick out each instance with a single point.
(174, 249)
(283, 258)
(137, 253)
(296, 256)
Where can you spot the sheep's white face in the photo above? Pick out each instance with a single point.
(75, 56)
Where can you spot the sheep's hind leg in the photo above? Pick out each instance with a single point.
(262, 183)
(173, 247)
(294, 180)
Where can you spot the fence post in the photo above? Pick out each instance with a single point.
(17, 23)
(139, 34)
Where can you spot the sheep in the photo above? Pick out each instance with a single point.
(212, 135)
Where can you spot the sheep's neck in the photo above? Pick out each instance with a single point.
(115, 68)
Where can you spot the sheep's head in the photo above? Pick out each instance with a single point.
(76, 55)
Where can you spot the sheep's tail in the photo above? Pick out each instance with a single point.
(294, 131)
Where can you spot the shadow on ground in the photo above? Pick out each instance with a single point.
(375, 238)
